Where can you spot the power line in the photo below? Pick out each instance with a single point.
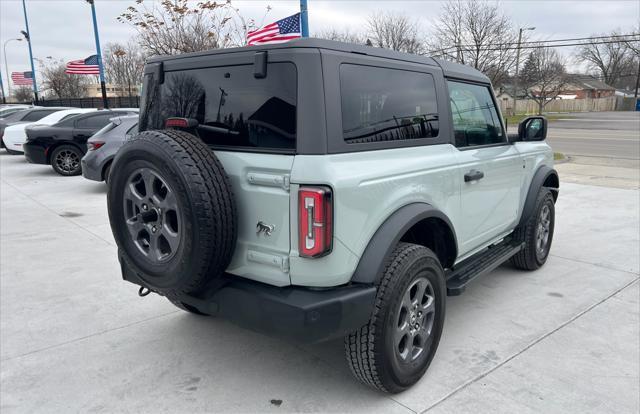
(488, 49)
(538, 42)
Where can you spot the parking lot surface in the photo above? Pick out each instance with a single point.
(74, 337)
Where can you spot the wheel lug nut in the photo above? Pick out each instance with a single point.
(154, 229)
(144, 207)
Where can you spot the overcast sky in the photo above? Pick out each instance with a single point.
(62, 29)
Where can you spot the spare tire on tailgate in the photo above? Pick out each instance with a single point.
(172, 211)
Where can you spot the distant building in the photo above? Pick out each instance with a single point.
(93, 90)
(585, 86)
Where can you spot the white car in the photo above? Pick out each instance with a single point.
(15, 135)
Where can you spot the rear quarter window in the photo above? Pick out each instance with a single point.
(382, 104)
(232, 107)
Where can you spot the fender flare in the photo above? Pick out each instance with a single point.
(537, 183)
(384, 240)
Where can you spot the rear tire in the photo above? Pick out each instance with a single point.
(187, 308)
(393, 351)
(537, 234)
(65, 160)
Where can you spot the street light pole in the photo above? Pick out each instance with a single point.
(6, 64)
(517, 79)
(28, 37)
(105, 101)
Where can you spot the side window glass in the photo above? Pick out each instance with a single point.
(475, 118)
(36, 115)
(381, 104)
(94, 122)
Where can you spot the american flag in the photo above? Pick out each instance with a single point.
(22, 78)
(278, 32)
(88, 66)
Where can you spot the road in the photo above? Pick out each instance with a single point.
(597, 134)
(74, 337)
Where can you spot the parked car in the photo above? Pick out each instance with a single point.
(63, 145)
(15, 135)
(28, 115)
(9, 109)
(104, 145)
(317, 190)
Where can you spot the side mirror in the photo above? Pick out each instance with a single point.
(533, 128)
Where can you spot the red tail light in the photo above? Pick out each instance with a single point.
(315, 208)
(180, 123)
(94, 145)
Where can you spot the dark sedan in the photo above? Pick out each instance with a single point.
(63, 145)
(24, 116)
(104, 145)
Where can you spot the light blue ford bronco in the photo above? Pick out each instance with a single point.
(317, 190)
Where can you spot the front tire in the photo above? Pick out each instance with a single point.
(537, 234)
(65, 160)
(393, 351)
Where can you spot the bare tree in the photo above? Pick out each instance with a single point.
(342, 36)
(478, 34)
(61, 85)
(23, 94)
(394, 31)
(607, 56)
(124, 66)
(544, 76)
(171, 27)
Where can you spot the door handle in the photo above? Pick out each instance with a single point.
(473, 175)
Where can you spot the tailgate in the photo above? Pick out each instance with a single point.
(260, 185)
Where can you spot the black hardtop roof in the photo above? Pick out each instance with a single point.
(449, 68)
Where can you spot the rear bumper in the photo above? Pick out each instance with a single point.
(34, 153)
(296, 313)
(90, 170)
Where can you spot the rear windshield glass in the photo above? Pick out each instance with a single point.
(233, 108)
(381, 104)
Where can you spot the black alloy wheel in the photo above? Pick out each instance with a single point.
(152, 215)
(65, 160)
(415, 320)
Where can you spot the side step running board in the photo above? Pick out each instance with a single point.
(480, 264)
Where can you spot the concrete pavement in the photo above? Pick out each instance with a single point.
(75, 338)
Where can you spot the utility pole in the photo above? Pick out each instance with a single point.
(28, 37)
(105, 101)
(635, 92)
(304, 18)
(517, 79)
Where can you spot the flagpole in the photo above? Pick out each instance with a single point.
(304, 18)
(4, 97)
(28, 36)
(105, 101)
